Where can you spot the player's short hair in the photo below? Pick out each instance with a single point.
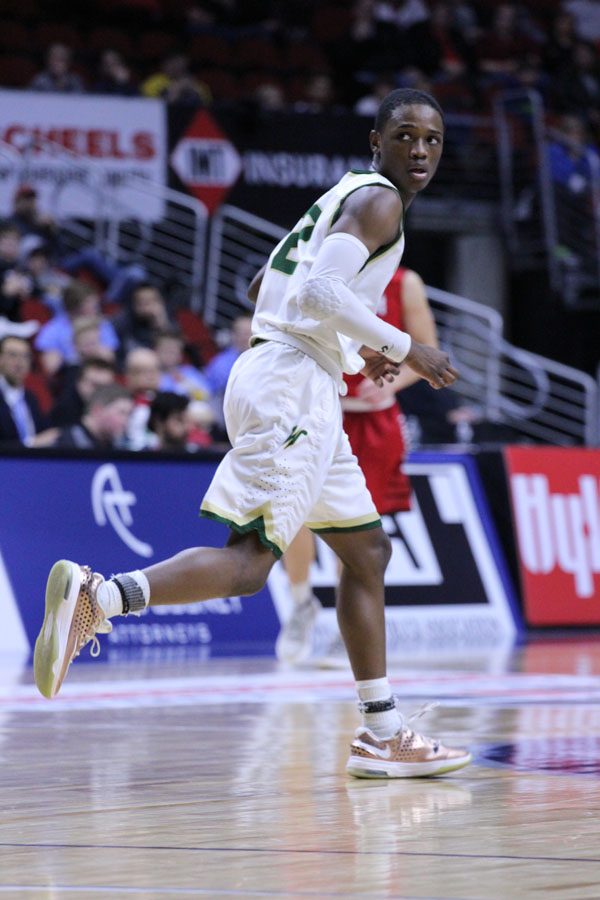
(403, 97)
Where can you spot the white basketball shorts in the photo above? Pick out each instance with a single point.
(290, 462)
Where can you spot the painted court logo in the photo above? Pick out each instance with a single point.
(293, 436)
(111, 504)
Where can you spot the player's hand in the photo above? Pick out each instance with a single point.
(378, 367)
(431, 364)
(376, 394)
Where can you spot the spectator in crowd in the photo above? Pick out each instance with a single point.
(144, 317)
(577, 86)
(142, 378)
(14, 285)
(20, 414)
(574, 168)
(114, 76)
(558, 50)
(46, 282)
(199, 18)
(30, 220)
(400, 26)
(464, 19)
(175, 374)
(451, 58)
(176, 84)
(58, 77)
(586, 14)
(218, 369)
(87, 339)
(370, 103)
(319, 95)
(503, 46)
(87, 378)
(179, 377)
(103, 424)
(56, 339)
(574, 161)
(118, 280)
(170, 421)
(268, 96)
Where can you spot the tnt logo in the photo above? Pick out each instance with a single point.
(206, 161)
(559, 530)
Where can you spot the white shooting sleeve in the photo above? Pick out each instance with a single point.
(326, 295)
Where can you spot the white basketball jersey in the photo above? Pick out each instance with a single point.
(277, 315)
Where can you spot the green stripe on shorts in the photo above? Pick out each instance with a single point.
(331, 529)
(257, 525)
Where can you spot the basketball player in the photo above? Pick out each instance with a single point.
(290, 461)
(374, 425)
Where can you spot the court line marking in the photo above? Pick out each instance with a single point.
(305, 850)
(448, 687)
(224, 892)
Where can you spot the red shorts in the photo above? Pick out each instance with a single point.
(377, 440)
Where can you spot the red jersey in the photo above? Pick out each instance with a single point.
(376, 433)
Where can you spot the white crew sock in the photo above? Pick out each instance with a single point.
(383, 723)
(109, 595)
(301, 592)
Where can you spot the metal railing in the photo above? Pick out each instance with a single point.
(539, 399)
(548, 224)
(239, 245)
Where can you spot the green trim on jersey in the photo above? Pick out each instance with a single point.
(385, 247)
(338, 212)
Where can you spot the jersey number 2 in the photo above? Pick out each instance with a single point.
(281, 260)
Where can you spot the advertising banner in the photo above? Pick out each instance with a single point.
(556, 509)
(446, 585)
(272, 165)
(82, 153)
(117, 516)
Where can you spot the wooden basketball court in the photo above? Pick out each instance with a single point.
(225, 778)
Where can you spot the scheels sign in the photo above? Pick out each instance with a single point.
(556, 508)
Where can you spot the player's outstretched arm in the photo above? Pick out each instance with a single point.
(431, 364)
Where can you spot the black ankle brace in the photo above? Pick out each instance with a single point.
(377, 706)
(131, 593)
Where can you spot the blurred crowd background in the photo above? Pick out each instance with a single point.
(308, 55)
(93, 352)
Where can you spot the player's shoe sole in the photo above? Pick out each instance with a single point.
(55, 645)
(361, 767)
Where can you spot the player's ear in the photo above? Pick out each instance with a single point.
(374, 141)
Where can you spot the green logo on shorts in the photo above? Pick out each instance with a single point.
(293, 436)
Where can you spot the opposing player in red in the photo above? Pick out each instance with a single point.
(374, 423)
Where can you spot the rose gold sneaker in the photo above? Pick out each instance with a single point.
(73, 618)
(404, 755)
